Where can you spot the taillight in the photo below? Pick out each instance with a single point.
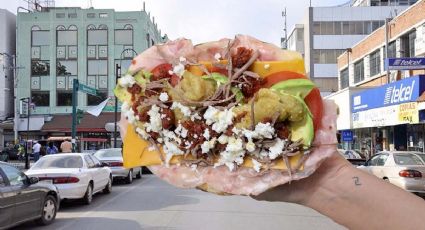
(410, 173)
(61, 180)
(115, 164)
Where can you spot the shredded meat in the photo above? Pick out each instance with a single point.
(282, 130)
(241, 57)
(169, 119)
(134, 91)
(252, 87)
(143, 115)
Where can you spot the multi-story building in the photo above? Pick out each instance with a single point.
(7, 67)
(57, 45)
(329, 31)
(389, 112)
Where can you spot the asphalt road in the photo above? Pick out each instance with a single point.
(152, 204)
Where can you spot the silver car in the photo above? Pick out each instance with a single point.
(113, 157)
(403, 169)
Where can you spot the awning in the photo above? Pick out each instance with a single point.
(59, 138)
(89, 123)
(93, 139)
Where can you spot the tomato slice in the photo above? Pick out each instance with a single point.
(313, 99)
(162, 71)
(215, 69)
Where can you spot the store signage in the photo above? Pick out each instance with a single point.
(406, 113)
(403, 91)
(405, 63)
(347, 135)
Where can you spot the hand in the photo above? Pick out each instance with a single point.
(301, 191)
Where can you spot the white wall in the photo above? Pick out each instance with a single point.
(354, 13)
(325, 70)
(335, 41)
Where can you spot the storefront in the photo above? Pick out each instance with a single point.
(388, 117)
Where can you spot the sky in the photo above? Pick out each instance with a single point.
(202, 21)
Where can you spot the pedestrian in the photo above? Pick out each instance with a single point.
(52, 149)
(36, 150)
(43, 150)
(66, 146)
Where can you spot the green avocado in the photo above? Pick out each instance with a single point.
(303, 129)
(296, 87)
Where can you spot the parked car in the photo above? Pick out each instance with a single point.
(353, 156)
(76, 175)
(403, 169)
(113, 157)
(23, 199)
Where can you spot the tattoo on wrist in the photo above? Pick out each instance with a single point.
(357, 181)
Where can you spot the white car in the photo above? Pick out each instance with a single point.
(113, 157)
(403, 169)
(76, 175)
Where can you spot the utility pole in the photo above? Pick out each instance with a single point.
(285, 42)
(75, 85)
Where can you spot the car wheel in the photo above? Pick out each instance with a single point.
(48, 213)
(129, 178)
(108, 187)
(139, 174)
(88, 197)
(386, 179)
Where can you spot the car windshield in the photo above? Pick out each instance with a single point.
(422, 156)
(104, 153)
(60, 161)
(407, 159)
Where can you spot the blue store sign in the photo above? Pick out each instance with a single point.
(403, 91)
(405, 63)
(347, 135)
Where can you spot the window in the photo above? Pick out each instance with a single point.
(95, 100)
(300, 34)
(103, 15)
(412, 38)
(60, 15)
(392, 52)
(2, 182)
(316, 28)
(64, 98)
(381, 160)
(148, 39)
(358, 28)
(91, 15)
(96, 161)
(322, 56)
(97, 37)
(338, 28)
(72, 15)
(66, 37)
(97, 67)
(358, 71)
(123, 37)
(408, 44)
(89, 161)
(375, 63)
(40, 68)
(125, 63)
(345, 28)
(15, 177)
(344, 79)
(66, 68)
(40, 38)
(40, 98)
(407, 159)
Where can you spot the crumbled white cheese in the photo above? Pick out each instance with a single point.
(234, 144)
(184, 109)
(233, 154)
(163, 116)
(266, 66)
(155, 122)
(163, 97)
(276, 149)
(264, 130)
(126, 81)
(128, 112)
(220, 120)
(171, 136)
(142, 133)
(159, 140)
(236, 130)
(257, 165)
(207, 145)
(181, 131)
(170, 150)
(217, 56)
(195, 116)
(137, 117)
(206, 134)
(223, 139)
(249, 134)
(182, 59)
(179, 69)
(250, 146)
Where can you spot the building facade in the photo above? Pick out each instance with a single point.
(7, 66)
(57, 45)
(329, 31)
(388, 111)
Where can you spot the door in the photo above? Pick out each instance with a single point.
(7, 202)
(101, 171)
(93, 172)
(378, 168)
(28, 198)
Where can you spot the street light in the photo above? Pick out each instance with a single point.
(28, 101)
(118, 67)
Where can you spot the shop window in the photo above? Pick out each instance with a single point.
(64, 98)
(40, 68)
(95, 100)
(358, 71)
(40, 98)
(344, 79)
(375, 63)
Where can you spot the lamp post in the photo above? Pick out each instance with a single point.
(118, 69)
(28, 101)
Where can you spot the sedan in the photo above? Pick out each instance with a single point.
(113, 157)
(354, 157)
(403, 169)
(76, 175)
(23, 199)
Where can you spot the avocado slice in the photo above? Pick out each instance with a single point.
(296, 87)
(303, 129)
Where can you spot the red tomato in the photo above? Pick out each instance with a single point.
(162, 71)
(215, 69)
(313, 99)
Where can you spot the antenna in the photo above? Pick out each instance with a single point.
(285, 40)
(144, 6)
(90, 3)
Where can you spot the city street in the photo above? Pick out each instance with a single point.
(152, 204)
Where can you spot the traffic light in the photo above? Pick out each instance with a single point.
(80, 114)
